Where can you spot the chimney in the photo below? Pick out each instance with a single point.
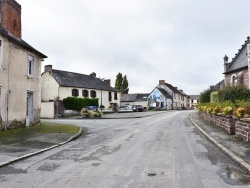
(161, 82)
(226, 64)
(10, 20)
(107, 82)
(48, 68)
(93, 74)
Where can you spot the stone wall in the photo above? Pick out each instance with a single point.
(225, 122)
(242, 129)
(238, 127)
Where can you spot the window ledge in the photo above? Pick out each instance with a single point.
(30, 77)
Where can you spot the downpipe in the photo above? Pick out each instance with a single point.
(7, 109)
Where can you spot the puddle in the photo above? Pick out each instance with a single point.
(235, 176)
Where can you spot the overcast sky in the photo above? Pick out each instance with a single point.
(180, 41)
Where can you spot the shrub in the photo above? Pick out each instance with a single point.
(227, 110)
(75, 103)
(234, 93)
(205, 96)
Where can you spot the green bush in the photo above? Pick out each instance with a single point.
(75, 103)
(205, 96)
(234, 93)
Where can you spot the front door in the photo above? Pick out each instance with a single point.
(29, 109)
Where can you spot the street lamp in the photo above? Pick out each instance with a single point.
(102, 79)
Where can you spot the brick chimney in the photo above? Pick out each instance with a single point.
(48, 68)
(161, 82)
(107, 82)
(10, 17)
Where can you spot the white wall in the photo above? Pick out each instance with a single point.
(13, 77)
(49, 87)
(47, 110)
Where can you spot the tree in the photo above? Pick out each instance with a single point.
(118, 82)
(121, 83)
(205, 96)
(125, 88)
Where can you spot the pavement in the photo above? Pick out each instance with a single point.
(236, 149)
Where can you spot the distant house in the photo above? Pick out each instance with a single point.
(134, 99)
(194, 100)
(236, 72)
(179, 97)
(159, 98)
(20, 71)
(58, 84)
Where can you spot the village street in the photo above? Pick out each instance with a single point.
(164, 150)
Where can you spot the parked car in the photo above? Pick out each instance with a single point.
(137, 108)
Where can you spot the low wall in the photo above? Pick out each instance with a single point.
(242, 129)
(239, 127)
(226, 122)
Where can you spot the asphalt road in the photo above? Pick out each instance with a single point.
(164, 150)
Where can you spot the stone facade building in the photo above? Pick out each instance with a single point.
(237, 71)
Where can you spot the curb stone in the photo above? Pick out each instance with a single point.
(41, 150)
(234, 157)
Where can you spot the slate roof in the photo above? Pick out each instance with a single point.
(164, 92)
(71, 79)
(194, 97)
(240, 60)
(174, 89)
(20, 42)
(136, 97)
(218, 86)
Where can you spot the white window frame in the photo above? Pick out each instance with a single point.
(31, 67)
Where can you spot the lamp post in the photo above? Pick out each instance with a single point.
(101, 92)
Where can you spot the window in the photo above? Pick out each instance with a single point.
(75, 93)
(93, 94)
(85, 93)
(110, 96)
(30, 66)
(115, 96)
(234, 80)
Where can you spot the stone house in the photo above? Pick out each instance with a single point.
(20, 71)
(236, 72)
(58, 84)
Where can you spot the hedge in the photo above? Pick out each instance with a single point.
(75, 103)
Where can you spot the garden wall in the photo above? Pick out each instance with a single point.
(237, 127)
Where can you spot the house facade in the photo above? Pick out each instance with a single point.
(160, 99)
(58, 84)
(179, 98)
(134, 99)
(194, 100)
(237, 72)
(20, 71)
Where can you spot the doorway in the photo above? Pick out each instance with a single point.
(29, 109)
